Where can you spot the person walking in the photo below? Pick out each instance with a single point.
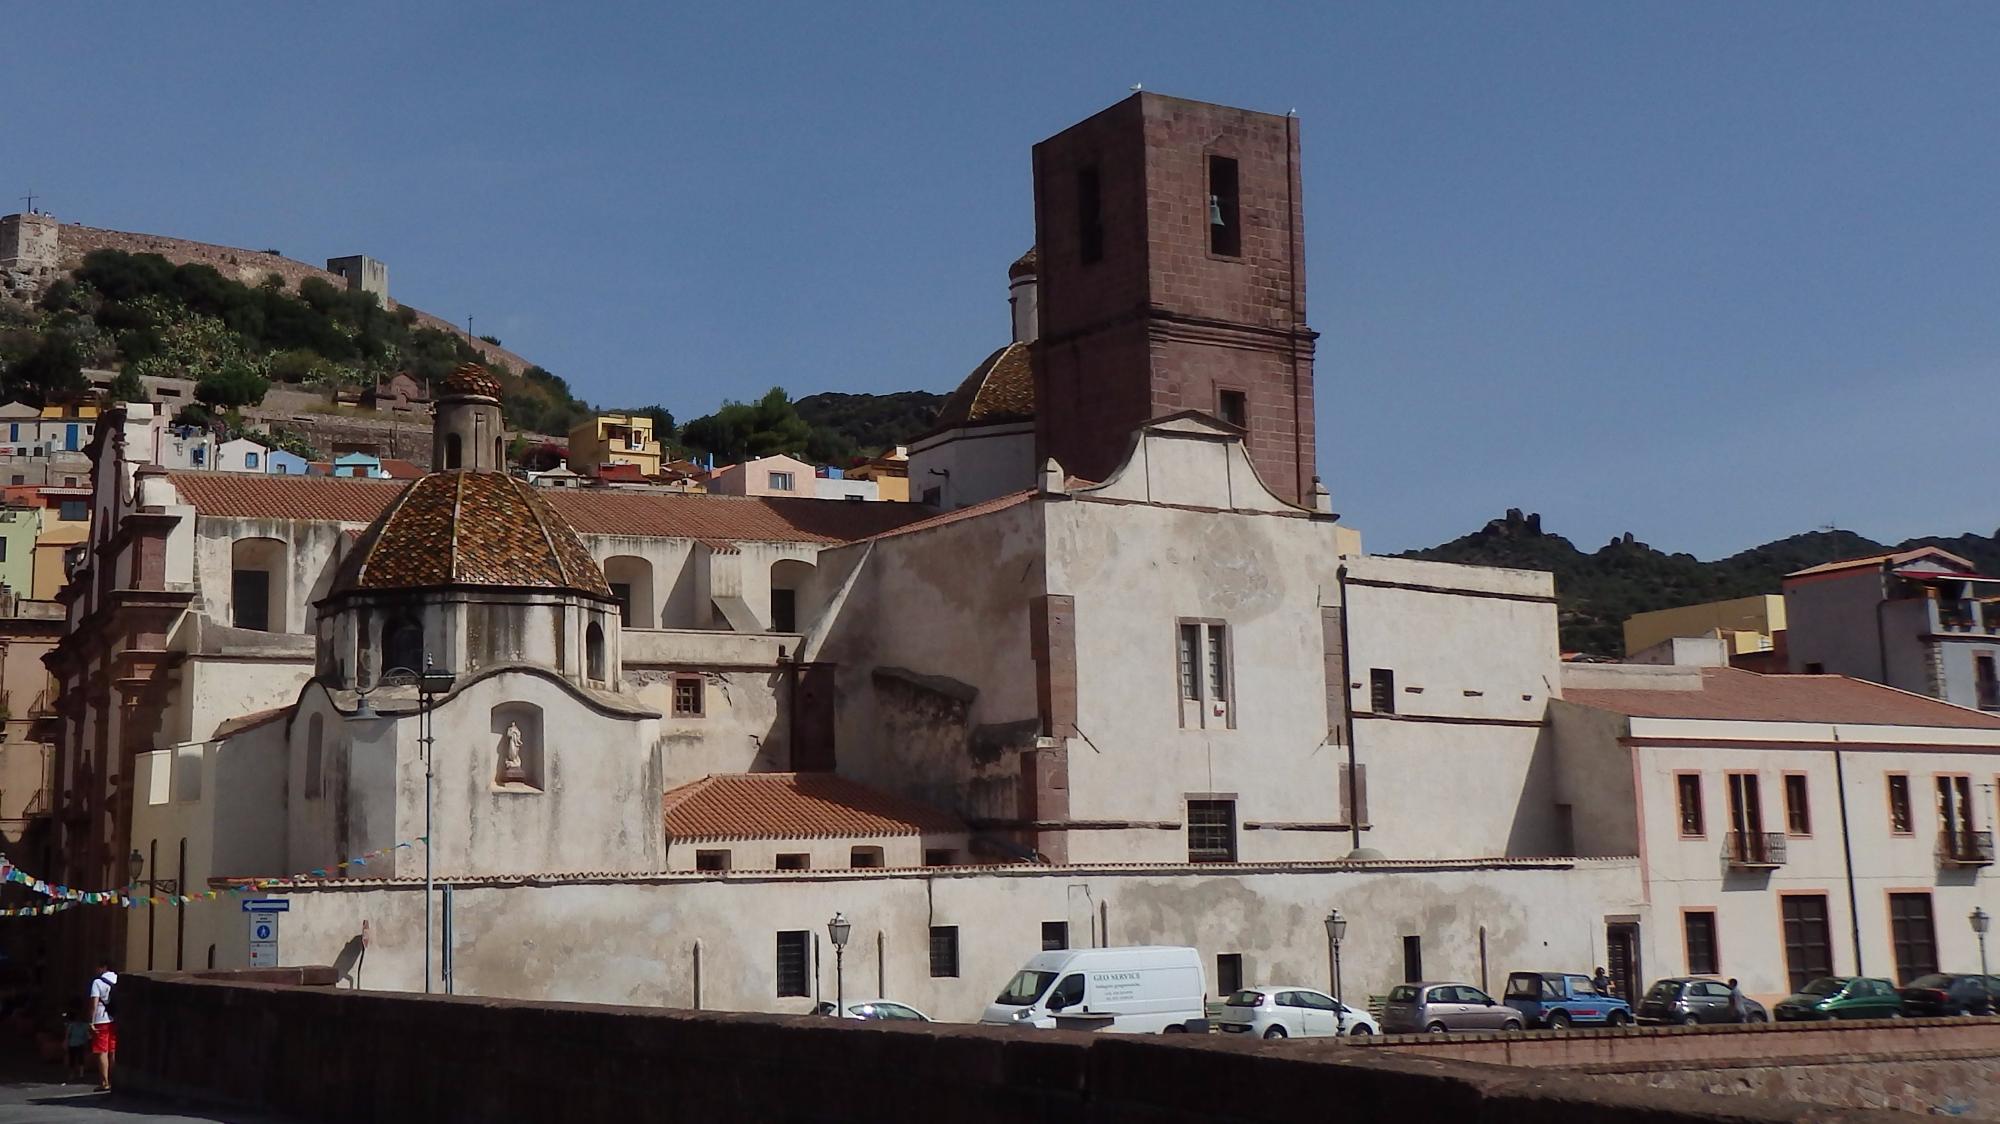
(1601, 981)
(76, 1046)
(1737, 1008)
(103, 1029)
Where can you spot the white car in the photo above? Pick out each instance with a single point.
(1285, 1011)
(880, 1010)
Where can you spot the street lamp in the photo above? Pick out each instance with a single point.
(1982, 921)
(431, 682)
(837, 930)
(1336, 931)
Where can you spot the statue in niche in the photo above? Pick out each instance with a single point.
(512, 768)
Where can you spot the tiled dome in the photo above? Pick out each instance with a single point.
(1000, 389)
(470, 528)
(471, 378)
(1024, 266)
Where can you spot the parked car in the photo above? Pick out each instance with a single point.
(1949, 993)
(883, 1010)
(1557, 999)
(1288, 1011)
(1841, 997)
(1692, 999)
(1143, 990)
(1438, 1007)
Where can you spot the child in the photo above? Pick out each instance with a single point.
(76, 1042)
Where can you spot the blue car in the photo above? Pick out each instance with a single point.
(1560, 999)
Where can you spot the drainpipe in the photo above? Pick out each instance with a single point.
(1847, 854)
(1347, 714)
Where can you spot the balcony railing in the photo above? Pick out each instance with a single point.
(1755, 850)
(1965, 848)
(1956, 616)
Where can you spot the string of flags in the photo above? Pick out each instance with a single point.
(68, 897)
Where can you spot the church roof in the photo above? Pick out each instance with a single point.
(470, 528)
(795, 806)
(471, 378)
(1000, 389)
(1025, 265)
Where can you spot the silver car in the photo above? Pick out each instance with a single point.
(1439, 1007)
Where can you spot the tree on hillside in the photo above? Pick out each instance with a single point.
(740, 430)
(127, 387)
(52, 371)
(236, 385)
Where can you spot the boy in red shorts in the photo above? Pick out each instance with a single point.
(103, 1031)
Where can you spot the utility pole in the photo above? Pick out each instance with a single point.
(29, 199)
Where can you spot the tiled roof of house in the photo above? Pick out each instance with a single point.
(1876, 560)
(1730, 694)
(470, 528)
(1000, 389)
(997, 503)
(399, 469)
(795, 806)
(620, 473)
(590, 511)
(230, 727)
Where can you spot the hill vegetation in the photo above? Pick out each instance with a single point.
(1596, 591)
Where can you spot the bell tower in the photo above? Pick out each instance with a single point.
(466, 430)
(1170, 241)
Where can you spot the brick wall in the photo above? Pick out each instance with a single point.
(325, 1053)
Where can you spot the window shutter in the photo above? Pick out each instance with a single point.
(1354, 795)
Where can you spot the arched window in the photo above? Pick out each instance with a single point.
(452, 451)
(499, 454)
(593, 652)
(315, 757)
(403, 645)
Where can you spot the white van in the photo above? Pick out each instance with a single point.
(1145, 990)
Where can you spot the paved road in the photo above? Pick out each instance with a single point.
(32, 1102)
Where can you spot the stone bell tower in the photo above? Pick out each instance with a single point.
(467, 432)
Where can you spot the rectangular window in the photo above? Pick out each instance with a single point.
(1234, 407)
(1055, 935)
(1089, 216)
(622, 593)
(1703, 958)
(687, 696)
(3, 550)
(944, 951)
(1808, 942)
(71, 511)
(795, 860)
(1191, 662)
(18, 478)
(1954, 799)
(1746, 805)
(1899, 805)
(1382, 690)
(1225, 228)
(1413, 959)
(1983, 672)
(781, 481)
(794, 952)
(864, 858)
(250, 599)
(1211, 831)
(940, 856)
(1915, 934)
(1228, 973)
(711, 860)
(1798, 808)
(1689, 788)
(1218, 664)
(784, 610)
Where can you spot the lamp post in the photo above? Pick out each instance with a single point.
(1982, 921)
(431, 682)
(837, 930)
(153, 886)
(1336, 930)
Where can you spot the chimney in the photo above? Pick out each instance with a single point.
(1023, 296)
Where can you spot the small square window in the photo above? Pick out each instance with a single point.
(1055, 935)
(711, 860)
(688, 696)
(1211, 826)
(940, 856)
(781, 481)
(862, 858)
(944, 950)
(795, 860)
(1234, 406)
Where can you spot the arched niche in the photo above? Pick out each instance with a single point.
(519, 758)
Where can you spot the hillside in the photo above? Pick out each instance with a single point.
(871, 423)
(1598, 590)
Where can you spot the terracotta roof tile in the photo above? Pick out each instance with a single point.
(230, 727)
(1731, 694)
(997, 503)
(1897, 558)
(795, 806)
(399, 469)
(341, 499)
(471, 378)
(1000, 389)
(471, 528)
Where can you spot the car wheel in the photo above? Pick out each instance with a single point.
(1276, 1032)
(1358, 1030)
(1176, 1029)
(1511, 1026)
(1617, 1019)
(1690, 1020)
(1756, 1017)
(1437, 1028)
(1558, 1020)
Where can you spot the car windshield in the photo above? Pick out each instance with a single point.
(1026, 987)
(1931, 981)
(1245, 999)
(1403, 993)
(1825, 985)
(1524, 985)
(1664, 990)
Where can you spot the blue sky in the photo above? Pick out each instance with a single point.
(1710, 273)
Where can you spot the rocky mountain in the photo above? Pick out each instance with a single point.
(1598, 590)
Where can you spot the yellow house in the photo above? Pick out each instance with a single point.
(62, 527)
(890, 472)
(1745, 624)
(615, 439)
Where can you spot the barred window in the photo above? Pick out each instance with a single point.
(1190, 654)
(944, 950)
(1211, 831)
(687, 696)
(793, 962)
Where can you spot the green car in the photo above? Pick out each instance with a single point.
(1842, 997)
